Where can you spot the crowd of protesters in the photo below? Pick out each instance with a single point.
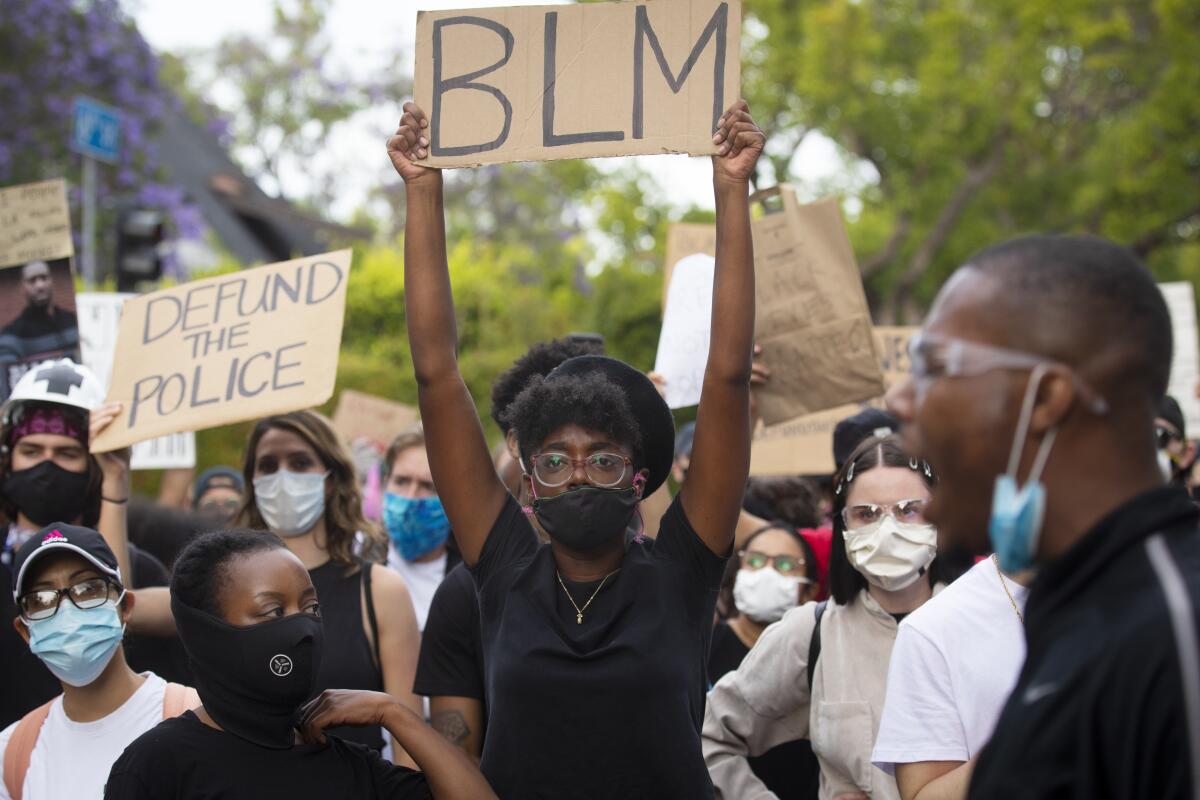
(994, 595)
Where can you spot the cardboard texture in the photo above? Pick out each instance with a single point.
(685, 239)
(99, 317)
(226, 349)
(537, 83)
(1185, 361)
(811, 320)
(683, 340)
(35, 224)
(365, 417)
(804, 446)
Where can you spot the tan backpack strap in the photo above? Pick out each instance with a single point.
(19, 750)
(177, 699)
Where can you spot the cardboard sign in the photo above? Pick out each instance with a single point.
(1185, 361)
(811, 320)
(99, 316)
(226, 349)
(35, 224)
(366, 418)
(537, 83)
(685, 239)
(683, 340)
(804, 446)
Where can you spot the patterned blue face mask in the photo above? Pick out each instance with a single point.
(1015, 525)
(417, 526)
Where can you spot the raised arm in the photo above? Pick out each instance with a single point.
(458, 453)
(712, 495)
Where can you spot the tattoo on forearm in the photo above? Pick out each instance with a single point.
(452, 725)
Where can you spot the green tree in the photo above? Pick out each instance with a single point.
(985, 120)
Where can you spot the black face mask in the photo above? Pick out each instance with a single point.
(588, 518)
(47, 493)
(253, 680)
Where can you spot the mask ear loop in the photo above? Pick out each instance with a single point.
(1018, 445)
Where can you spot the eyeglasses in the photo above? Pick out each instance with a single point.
(1164, 436)
(864, 514)
(92, 593)
(603, 469)
(934, 356)
(752, 559)
(228, 505)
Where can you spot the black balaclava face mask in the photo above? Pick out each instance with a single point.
(588, 518)
(46, 492)
(253, 680)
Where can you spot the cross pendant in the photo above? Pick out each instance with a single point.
(579, 618)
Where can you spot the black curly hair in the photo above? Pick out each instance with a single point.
(201, 572)
(590, 400)
(538, 361)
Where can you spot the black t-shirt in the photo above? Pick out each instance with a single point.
(789, 770)
(451, 661)
(184, 758)
(611, 707)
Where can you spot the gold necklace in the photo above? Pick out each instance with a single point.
(1004, 585)
(579, 611)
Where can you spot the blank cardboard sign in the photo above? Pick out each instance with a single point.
(225, 349)
(538, 83)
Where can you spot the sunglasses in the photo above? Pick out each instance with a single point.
(1164, 436)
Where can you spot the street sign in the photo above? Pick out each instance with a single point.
(97, 130)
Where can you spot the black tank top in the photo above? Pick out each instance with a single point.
(348, 662)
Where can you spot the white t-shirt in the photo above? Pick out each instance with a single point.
(72, 759)
(422, 580)
(955, 661)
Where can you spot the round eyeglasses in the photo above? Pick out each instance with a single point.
(603, 469)
(92, 593)
(863, 514)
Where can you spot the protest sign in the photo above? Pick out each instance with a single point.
(226, 349)
(366, 418)
(35, 224)
(811, 320)
(1185, 361)
(683, 341)
(99, 316)
(535, 83)
(804, 446)
(685, 239)
(37, 318)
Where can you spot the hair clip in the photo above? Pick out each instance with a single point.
(919, 465)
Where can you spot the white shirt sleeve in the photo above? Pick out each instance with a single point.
(4, 738)
(920, 720)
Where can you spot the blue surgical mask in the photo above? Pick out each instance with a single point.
(416, 525)
(77, 644)
(1015, 525)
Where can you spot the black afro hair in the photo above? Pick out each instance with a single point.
(200, 572)
(590, 400)
(539, 361)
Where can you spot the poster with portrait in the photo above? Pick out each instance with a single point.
(37, 317)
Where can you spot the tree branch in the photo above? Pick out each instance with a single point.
(1159, 235)
(888, 252)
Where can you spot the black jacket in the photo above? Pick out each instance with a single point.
(1101, 709)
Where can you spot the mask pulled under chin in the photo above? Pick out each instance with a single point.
(891, 555)
(47, 493)
(290, 503)
(765, 595)
(253, 680)
(588, 518)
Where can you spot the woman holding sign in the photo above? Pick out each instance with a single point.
(595, 649)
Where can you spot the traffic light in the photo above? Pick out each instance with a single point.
(139, 237)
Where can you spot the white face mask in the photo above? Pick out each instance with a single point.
(765, 595)
(891, 554)
(290, 502)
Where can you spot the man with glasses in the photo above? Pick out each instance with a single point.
(73, 608)
(1035, 386)
(1176, 455)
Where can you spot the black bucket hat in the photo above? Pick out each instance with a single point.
(647, 405)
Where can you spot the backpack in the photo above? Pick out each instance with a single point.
(176, 700)
(814, 645)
